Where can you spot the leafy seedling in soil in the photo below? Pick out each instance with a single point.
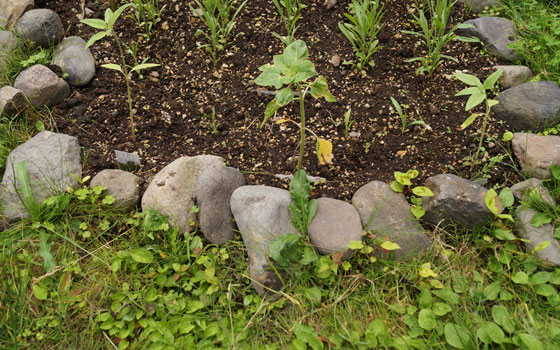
(348, 122)
(290, 11)
(478, 94)
(292, 70)
(107, 28)
(404, 116)
(365, 23)
(402, 182)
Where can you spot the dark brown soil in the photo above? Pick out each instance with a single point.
(171, 101)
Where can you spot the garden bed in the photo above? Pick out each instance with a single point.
(174, 102)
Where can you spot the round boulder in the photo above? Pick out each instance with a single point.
(41, 26)
(122, 185)
(42, 86)
(75, 60)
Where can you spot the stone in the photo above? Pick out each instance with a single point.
(335, 224)
(12, 100)
(11, 11)
(121, 185)
(388, 215)
(530, 106)
(330, 4)
(75, 60)
(479, 5)
(495, 33)
(41, 26)
(261, 214)
(8, 42)
(536, 153)
(523, 190)
(537, 235)
(513, 75)
(42, 86)
(188, 181)
(53, 163)
(457, 200)
(125, 158)
(213, 192)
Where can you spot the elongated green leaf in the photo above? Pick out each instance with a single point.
(457, 336)
(492, 103)
(143, 66)
(502, 317)
(397, 106)
(112, 66)
(299, 208)
(271, 109)
(492, 79)
(475, 99)
(468, 91)
(490, 201)
(142, 256)
(114, 16)
(45, 252)
(40, 292)
(422, 191)
(468, 79)
(469, 121)
(320, 89)
(95, 37)
(95, 23)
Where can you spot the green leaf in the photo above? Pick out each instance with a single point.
(114, 16)
(475, 99)
(508, 136)
(40, 292)
(520, 278)
(271, 109)
(388, 245)
(469, 121)
(502, 317)
(541, 277)
(95, 23)
(427, 319)
(319, 88)
(541, 246)
(45, 252)
(545, 290)
(468, 91)
(396, 186)
(425, 300)
(297, 50)
(492, 79)
(418, 211)
(448, 296)
(397, 106)
(284, 96)
(492, 290)
(490, 201)
(468, 79)
(194, 306)
(530, 341)
(96, 37)
(301, 208)
(402, 178)
(142, 256)
(422, 191)
(113, 67)
(355, 245)
(270, 77)
(140, 67)
(490, 332)
(286, 249)
(457, 336)
(540, 219)
(504, 235)
(441, 309)
(506, 197)
(492, 103)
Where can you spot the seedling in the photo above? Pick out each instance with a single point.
(402, 182)
(293, 69)
(404, 116)
(146, 14)
(107, 28)
(478, 94)
(347, 122)
(290, 11)
(213, 123)
(433, 33)
(365, 23)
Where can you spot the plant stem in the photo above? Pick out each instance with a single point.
(128, 90)
(484, 123)
(302, 137)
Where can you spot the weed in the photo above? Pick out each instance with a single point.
(402, 182)
(365, 23)
(404, 116)
(293, 69)
(347, 122)
(146, 14)
(290, 12)
(213, 123)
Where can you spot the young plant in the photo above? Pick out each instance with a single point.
(146, 14)
(292, 70)
(365, 23)
(216, 16)
(290, 11)
(433, 33)
(107, 28)
(348, 122)
(213, 122)
(404, 116)
(403, 182)
(478, 94)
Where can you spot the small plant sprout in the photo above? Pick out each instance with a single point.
(404, 117)
(146, 14)
(213, 122)
(478, 94)
(290, 11)
(292, 70)
(403, 182)
(347, 122)
(365, 23)
(216, 15)
(107, 28)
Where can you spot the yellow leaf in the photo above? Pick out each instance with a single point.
(281, 120)
(388, 245)
(436, 284)
(162, 254)
(426, 271)
(324, 151)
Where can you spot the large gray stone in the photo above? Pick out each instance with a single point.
(479, 5)
(121, 185)
(530, 106)
(537, 235)
(41, 26)
(513, 75)
(42, 86)
(75, 60)
(53, 163)
(201, 180)
(387, 214)
(8, 42)
(12, 100)
(536, 153)
(532, 189)
(457, 200)
(11, 11)
(495, 33)
(335, 224)
(262, 214)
